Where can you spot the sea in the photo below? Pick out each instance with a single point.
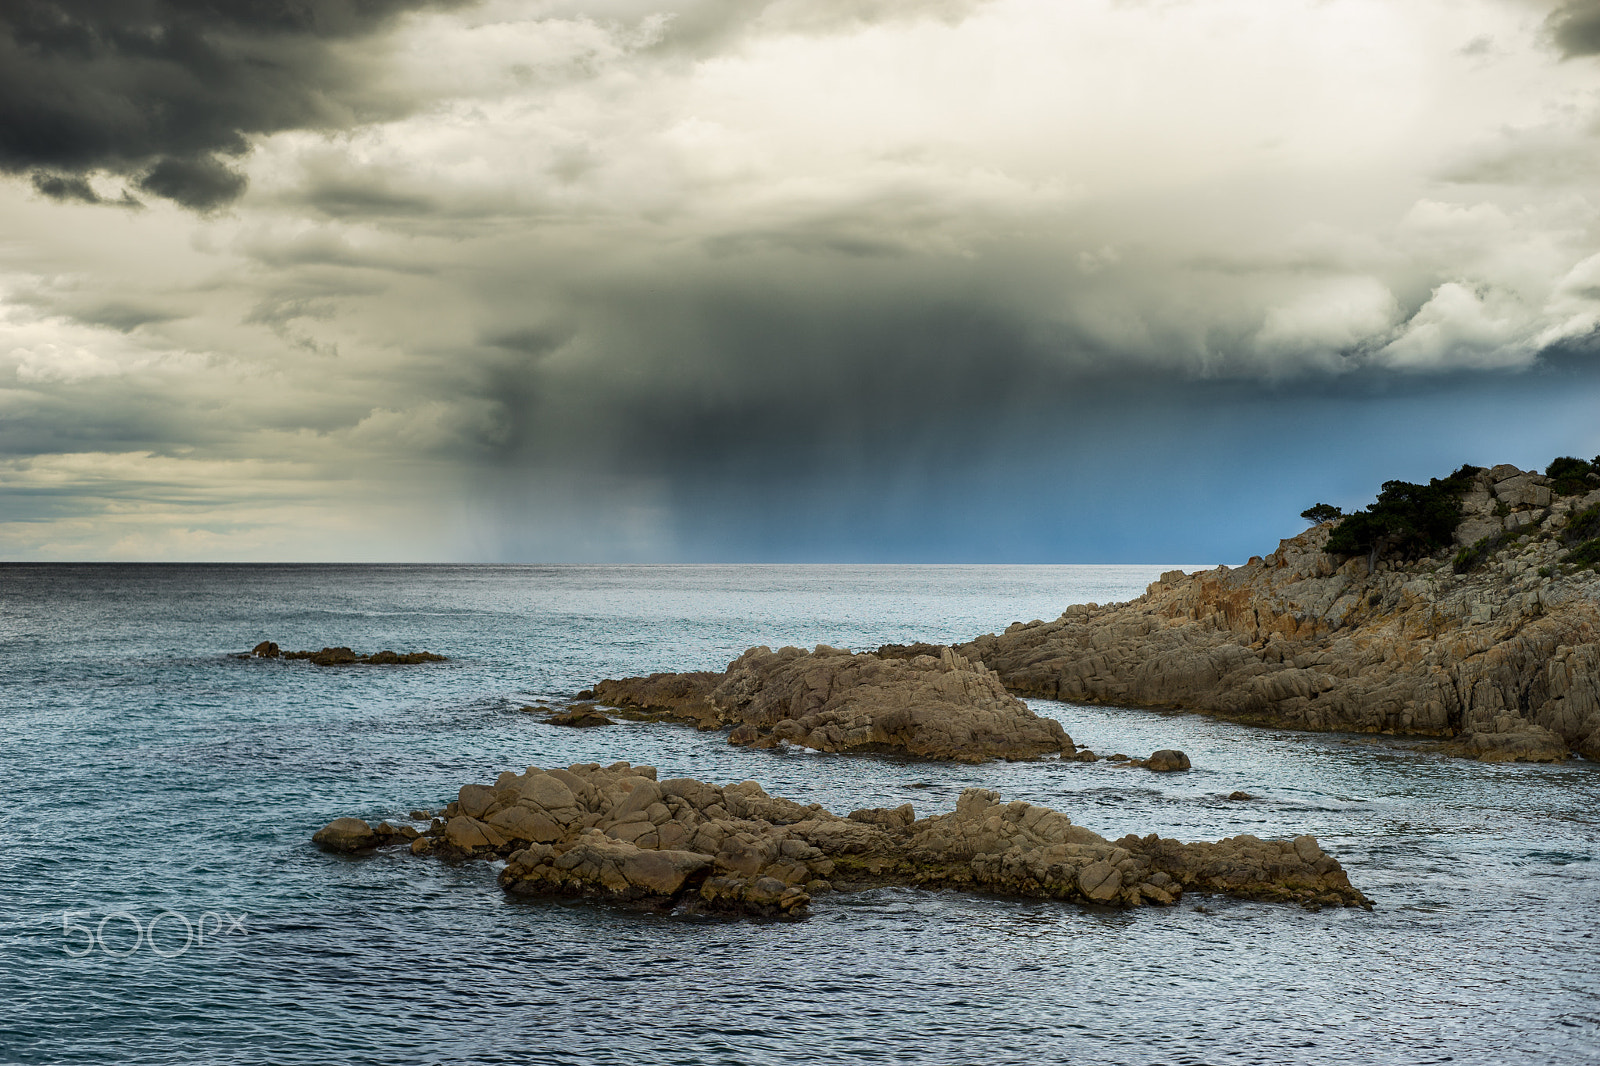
(161, 901)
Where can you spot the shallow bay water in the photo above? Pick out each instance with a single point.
(147, 774)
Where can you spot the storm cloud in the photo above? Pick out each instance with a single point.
(989, 280)
(1576, 27)
(168, 92)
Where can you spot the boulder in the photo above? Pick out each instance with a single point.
(346, 834)
(1167, 761)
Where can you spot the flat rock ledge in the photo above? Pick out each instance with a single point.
(618, 833)
(344, 656)
(937, 706)
(1496, 651)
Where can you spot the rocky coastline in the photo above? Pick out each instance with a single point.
(1489, 643)
(617, 833)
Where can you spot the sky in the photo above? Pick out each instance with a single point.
(966, 281)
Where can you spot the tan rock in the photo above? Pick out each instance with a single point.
(474, 800)
(736, 849)
(1100, 881)
(520, 822)
(942, 706)
(469, 834)
(346, 834)
(547, 791)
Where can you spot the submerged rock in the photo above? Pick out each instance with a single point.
(942, 706)
(579, 716)
(1446, 645)
(343, 656)
(618, 833)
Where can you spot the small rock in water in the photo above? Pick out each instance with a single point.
(1167, 761)
(346, 835)
(580, 716)
(344, 656)
(1240, 796)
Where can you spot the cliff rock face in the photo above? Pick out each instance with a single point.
(1501, 656)
(939, 706)
(617, 832)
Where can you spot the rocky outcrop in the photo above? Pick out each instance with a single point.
(1501, 656)
(352, 835)
(930, 706)
(344, 656)
(618, 833)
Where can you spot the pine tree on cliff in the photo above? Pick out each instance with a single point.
(1319, 513)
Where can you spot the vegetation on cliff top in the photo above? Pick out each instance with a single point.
(1582, 535)
(1407, 519)
(1319, 513)
(1573, 477)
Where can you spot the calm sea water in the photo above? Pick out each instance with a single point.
(148, 776)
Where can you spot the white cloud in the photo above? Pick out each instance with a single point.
(1329, 317)
(1460, 327)
(46, 362)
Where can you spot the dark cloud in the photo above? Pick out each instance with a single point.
(1576, 27)
(163, 91)
(65, 187)
(122, 316)
(201, 184)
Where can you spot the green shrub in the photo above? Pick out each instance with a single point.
(1470, 558)
(1570, 476)
(1586, 554)
(1319, 513)
(1585, 525)
(1407, 519)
